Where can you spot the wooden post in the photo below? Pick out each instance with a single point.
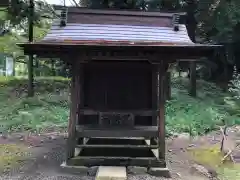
(193, 88)
(80, 98)
(30, 60)
(154, 98)
(71, 142)
(154, 93)
(161, 116)
(167, 84)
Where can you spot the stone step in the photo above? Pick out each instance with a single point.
(111, 173)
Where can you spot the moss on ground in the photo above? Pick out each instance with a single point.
(11, 155)
(212, 156)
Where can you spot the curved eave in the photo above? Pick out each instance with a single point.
(178, 51)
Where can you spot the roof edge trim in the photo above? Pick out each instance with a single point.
(83, 10)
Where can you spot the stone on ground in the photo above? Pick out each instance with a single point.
(160, 172)
(111, 173)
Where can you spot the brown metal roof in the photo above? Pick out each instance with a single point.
(113, 17)
(128, 12)
(94, 29)
(92, 26)
(117, 34)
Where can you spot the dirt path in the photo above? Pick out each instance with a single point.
(47, 153)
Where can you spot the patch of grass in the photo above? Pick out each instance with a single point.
(10, 155)
(49, 108)
(211, 156)
(232, 172)
(199, 115)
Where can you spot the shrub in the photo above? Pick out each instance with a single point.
(41, 84)
(49, 108)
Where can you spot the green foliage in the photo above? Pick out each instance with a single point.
(48, 109)
(41, 84)
(219, 20)
(122, 4)
(18, 12)
(198, 115)
(234, 86)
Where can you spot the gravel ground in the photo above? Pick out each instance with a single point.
(45, 161)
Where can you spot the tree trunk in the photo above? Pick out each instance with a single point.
(30, 60)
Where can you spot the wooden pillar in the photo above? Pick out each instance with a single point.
(71, 142)
(168, 85)
(80, 98)
(193, 83)
(161, 115)
(154, 93)
(154, 98)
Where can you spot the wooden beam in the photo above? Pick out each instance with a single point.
(136, 131)
(90, 161)
(144, 112)
(118, 146)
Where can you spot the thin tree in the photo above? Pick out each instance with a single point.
(30, 38)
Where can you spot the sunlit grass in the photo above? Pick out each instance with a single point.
(211, 156)
(11, 155)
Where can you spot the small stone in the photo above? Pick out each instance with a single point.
(178, 174)
(170, 150)
(19, 136)
(191, 145)
(3, 136)
(52, 137)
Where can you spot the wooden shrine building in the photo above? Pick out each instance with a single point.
(118, 61)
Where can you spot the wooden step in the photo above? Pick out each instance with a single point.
(90, 161)
(136, 131)
(117, 146)
(143, 112)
